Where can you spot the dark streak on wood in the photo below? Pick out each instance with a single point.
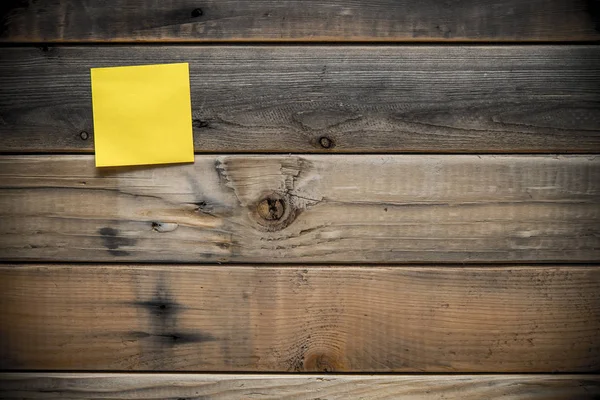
(113, 241)
(164, 311)
(170, 339)
(159, 306)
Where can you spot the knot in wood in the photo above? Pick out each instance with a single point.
(323, 362)
(273, 211)
(271, 208)
(197, 12)
(325, 142)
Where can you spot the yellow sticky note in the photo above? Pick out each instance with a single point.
(142, 115)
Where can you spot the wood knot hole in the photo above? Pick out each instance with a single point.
(197, 12)
(271, 209)
(325, 142)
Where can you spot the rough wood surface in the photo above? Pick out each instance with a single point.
(297, 387)
(465, 99)
(247, 318)
(334, 208)
(305, 20)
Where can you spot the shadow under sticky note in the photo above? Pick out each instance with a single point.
(142, 115)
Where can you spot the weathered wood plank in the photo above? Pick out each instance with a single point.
(344, 208)
(297, 387)
(247, 318)
(305, 20)
(461, 99)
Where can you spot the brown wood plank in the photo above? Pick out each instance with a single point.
(27, 21)
(311, 208)
(297, 387)
(465, 99)
(259, 318)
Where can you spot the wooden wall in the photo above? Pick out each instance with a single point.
(401, 198)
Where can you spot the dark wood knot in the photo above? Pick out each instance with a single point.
(326, 142)
(271, 209)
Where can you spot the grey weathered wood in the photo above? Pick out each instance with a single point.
(361, 99)
(310, 208)
(297, 387)
(282, 318)
(306, 20)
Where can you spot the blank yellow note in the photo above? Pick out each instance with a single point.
(142, 115)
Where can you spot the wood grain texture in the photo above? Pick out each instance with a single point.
(304, 20)
(297, 387)
(278, 319)
(465, 99)
(358, 208)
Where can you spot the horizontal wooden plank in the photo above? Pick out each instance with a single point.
(319, 208)
(305, 20)
(464, 99)
(276, 319)
(297, 387)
